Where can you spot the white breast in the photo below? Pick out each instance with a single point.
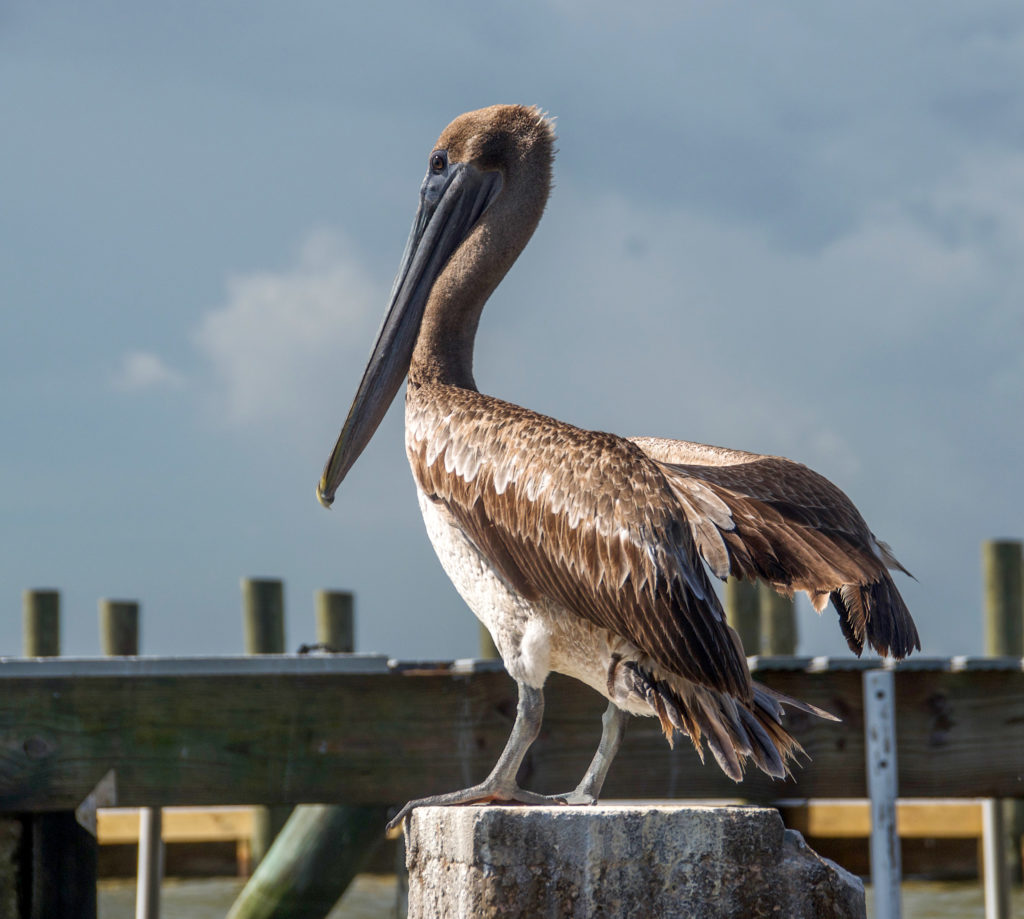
(533, 639)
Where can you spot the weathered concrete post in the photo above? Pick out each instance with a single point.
(618, 861)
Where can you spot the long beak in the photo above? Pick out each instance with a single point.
(451, 202)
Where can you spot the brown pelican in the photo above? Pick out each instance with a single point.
(584, 552)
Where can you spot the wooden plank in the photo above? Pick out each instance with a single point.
(323, 736)
(120, 826)
(822, 819)
(914, 820)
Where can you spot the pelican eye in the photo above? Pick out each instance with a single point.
(438, 161)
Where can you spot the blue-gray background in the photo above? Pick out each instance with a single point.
(794, 228)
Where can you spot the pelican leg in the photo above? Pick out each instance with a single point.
(500, 785)
(589, 789)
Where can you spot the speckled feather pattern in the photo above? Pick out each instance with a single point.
(580, 518)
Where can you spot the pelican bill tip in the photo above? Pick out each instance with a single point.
(323, 497)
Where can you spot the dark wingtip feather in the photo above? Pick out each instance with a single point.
(876, 613)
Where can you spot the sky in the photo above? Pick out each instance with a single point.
(792, 228)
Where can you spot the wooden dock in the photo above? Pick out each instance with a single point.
(362, 730)
(356, 729)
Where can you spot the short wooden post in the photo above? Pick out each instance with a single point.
(263, 615)
(119, 637)
(335, 620)
(1001, 561)
(880, 742)
(41, 623)
(1002, 564)
(743, 612)
(119, 628)
(263, 621)
(778, 623)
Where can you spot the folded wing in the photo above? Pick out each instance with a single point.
(766, 517)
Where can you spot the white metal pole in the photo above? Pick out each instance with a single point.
(997, 877)
(880, 737)
(151, 863)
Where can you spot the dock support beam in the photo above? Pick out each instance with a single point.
(571, 862)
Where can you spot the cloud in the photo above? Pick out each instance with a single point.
(281, 339)
(143, 370)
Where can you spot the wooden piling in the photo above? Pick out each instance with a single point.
(263, 622)
(1002, 564)
(119, 628)
(41, 623)
(335, 620)
(743, 612)
(778, 622)
(263, 615)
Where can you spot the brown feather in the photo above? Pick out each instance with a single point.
(792, 528)
(532, 508)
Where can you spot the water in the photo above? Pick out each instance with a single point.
(947, 900)
(372, 896)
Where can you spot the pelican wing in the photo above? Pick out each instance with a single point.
(769, 518)
(583, 519)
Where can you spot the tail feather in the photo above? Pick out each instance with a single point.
(734, 731)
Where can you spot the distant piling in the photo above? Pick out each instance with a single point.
(778, 623)
(119, 628)
(764, 619)
(743, 612)
(1001, 564)
(335, 620)
(41, 623)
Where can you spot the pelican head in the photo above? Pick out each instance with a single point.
(452, 260)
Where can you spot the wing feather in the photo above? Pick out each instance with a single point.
(582, 518)
(794, 529)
